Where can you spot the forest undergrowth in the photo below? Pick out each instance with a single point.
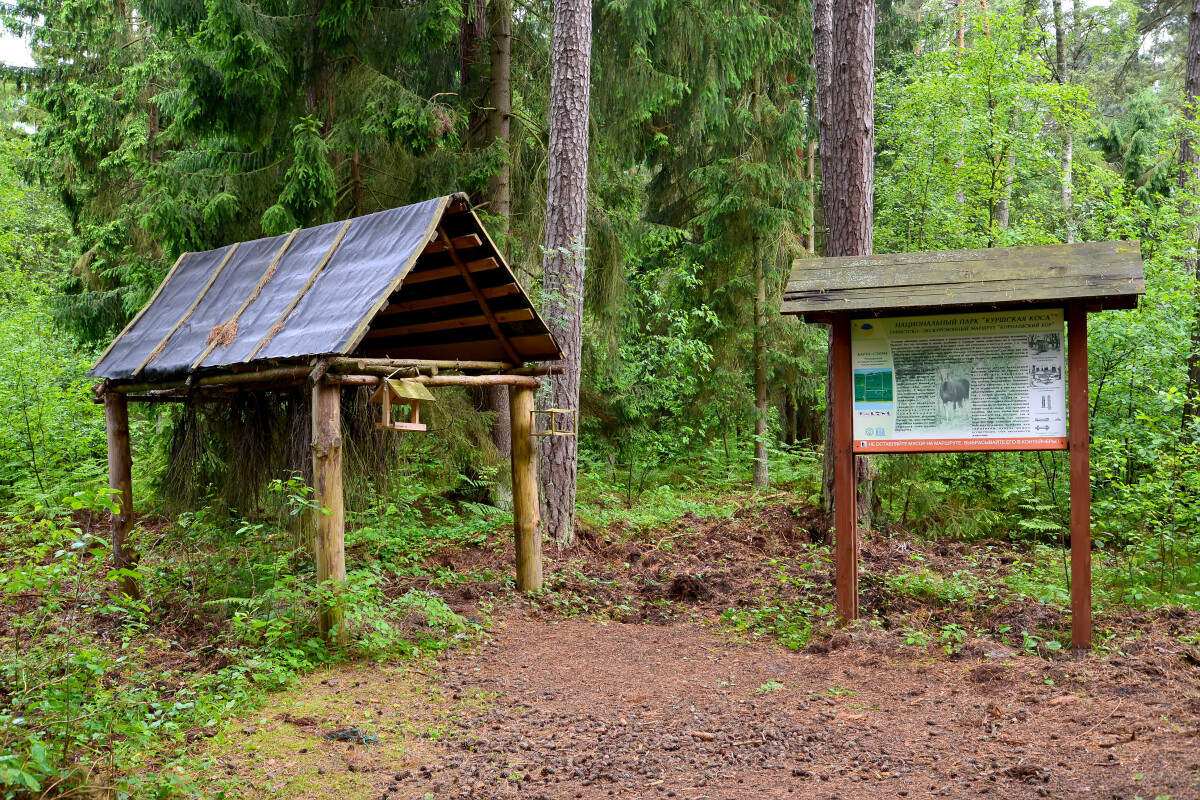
(113, 696)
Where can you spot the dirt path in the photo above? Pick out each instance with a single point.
(579, 709)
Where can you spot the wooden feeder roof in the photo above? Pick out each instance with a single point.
(1107, 275)
(385, 285)
(402, 390)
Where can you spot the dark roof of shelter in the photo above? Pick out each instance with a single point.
(383, 285)
(1107, 274)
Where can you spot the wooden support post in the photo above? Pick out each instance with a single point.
(120, 480)
(327, 477)
(1081, 482)
(845, 511)
(526, 513)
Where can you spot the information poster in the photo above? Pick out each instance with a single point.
(984, 381)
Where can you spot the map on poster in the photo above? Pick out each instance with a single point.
(982, 381)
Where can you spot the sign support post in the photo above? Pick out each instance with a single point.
(962, 351)
(845, 505)
(1081, 483)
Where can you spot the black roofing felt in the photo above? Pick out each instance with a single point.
(311, 303)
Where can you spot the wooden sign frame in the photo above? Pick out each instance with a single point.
(1076, 278)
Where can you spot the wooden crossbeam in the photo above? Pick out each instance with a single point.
(457, 243)
(425, 275)
(493, 323)
(516, 315)
(449, 299)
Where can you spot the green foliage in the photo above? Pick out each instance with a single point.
(51, 434)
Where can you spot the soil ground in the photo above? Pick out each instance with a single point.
(623, 681)
(577, 709)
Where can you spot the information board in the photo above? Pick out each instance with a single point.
(982, 381)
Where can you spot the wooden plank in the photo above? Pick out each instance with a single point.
(203, 291)
(439, 273)
(457, 243)
(1081, 483)
(1093, 286)
(830, 278)
(539, 347)
(477, 321)
(526, 523)
(386, 365)
(120, 480)
(330, 526)
(845, 511)
(1110, 271)
(441, 301)
(493, 323)
(1082, 252)
(967, 294)
(441, 380)
(312, 278)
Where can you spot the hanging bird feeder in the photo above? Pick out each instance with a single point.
(557, 421)
(401, 392)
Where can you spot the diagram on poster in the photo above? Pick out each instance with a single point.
(985, 381)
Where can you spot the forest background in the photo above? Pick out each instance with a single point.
(150, 128)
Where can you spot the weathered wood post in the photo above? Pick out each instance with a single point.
(845, 504)
(327, 477)
(1078, 418)
(526, 513)
(120, 480)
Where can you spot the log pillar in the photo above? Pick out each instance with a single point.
(120, 480)
(845, 504)
(526, 512)
(327, 480)
(1081, 480)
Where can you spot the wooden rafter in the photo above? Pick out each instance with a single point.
(457, 243)
(422, 276)
(493, 323)
(449, 299)
(516, 315)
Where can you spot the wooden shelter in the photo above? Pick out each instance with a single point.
(850, 292)
(419, 292)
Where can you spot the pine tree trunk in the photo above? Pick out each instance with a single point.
(1189, 160)
(500, 101)
(823, 65)
(762, 475)
(810, 223)
(472, 38)
(563, 263)
(499, 205)
(847, 121)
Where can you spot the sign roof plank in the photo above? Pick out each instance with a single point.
(1108, 273)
